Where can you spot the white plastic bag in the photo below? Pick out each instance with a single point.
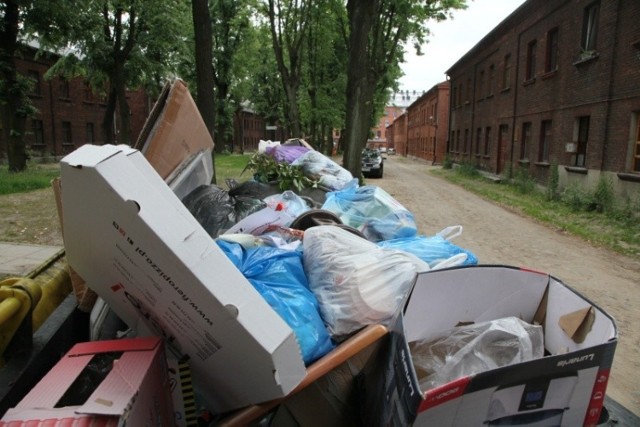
(356, 282)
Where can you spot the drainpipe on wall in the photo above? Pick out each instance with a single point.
(515, 102)
(53, 122)
(607, 116)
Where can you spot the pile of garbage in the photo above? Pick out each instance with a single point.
(206, 300)
(328, 266)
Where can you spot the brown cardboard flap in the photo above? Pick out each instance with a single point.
(541, 312)
(578, 324)
(85, 297)
(174, 130)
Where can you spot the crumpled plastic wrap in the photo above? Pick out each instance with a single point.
(289, 202)
(357, 283)
(475, 348)
(326, 172)
(373, 211)
(435, 250)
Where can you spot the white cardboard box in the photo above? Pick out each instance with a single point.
(133, 241)
(101, 383)
(566, 387)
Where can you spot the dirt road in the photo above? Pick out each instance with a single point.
(499, 236)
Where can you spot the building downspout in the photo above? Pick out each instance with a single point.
(515, 104)
(607, 116)
(451, 101)
(53, 122)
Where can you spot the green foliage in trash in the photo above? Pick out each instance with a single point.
(266, 170)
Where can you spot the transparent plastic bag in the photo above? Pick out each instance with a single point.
(436, 250)
(471, 349)
(373, 211)
(326, 172)
(289, 202)
(357, 283)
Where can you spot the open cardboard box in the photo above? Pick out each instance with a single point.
(566, 387)
(110, 383)
(176, 141)
(129, 236)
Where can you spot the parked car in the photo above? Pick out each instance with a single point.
(372, 163)
(391, 151)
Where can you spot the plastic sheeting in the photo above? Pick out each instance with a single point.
(373, 211)
(471, 349)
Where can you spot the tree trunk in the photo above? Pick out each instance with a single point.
(124, 134)
(108, 133)
(204, 61)
(12, 110)
(204, 68)
(360, 85)
(221, 134)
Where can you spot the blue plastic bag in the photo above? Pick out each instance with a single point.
(431, 249)
(278, 276)
(373, 211)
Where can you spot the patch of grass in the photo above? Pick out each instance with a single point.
(620, 233)
(35, 177)
(231, 166)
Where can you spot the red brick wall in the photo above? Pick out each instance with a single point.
(427, 121)
(54, 108)
(606, 88)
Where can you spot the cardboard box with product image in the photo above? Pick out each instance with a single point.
(101, 383)
(565, 386)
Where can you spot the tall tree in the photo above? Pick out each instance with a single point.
(203, 45)
(17, 20)
(322, 109)
(379, 30)
(14, 102)
(288, 21)
(120, 44)
(231, 23)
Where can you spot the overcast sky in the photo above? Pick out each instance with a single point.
(451, 39)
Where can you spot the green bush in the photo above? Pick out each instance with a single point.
(467, 169)
(552, 185)
(447, 163)
(523, 181)
(603, 196)
(577, 198)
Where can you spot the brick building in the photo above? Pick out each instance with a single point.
(554, 83)
(397, 134)
(249, 128)
(70, 113)
(379, 138)
(427, 119)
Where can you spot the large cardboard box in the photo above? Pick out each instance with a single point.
(105, 383)
(176, 141)
(566, 387)
(129, 236)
